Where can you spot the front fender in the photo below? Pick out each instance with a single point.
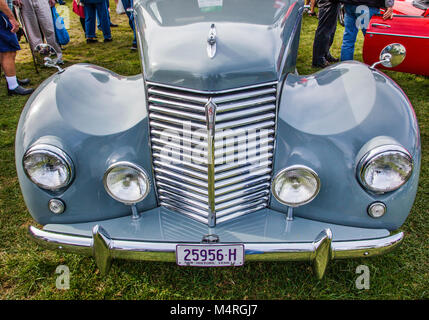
(97, 118)
(324, 120)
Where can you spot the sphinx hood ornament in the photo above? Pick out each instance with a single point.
(211, 42)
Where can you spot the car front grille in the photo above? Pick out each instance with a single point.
(212, 152)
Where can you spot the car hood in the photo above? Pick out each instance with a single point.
(253, 37)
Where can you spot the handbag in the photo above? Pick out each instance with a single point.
(79, 9)
(61, 34)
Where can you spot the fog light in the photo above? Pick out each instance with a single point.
(377, 209)
(296, 185)
(126, 182)
(56, 206)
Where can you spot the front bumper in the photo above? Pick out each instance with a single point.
(295, 245)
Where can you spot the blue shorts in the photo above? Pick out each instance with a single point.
(8, 39)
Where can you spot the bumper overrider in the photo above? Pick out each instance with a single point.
(319, 251)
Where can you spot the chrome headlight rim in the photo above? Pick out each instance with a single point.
(53, 151)
(290, 168)
(131, 165)
(375, 153)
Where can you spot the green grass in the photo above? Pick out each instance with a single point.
(28, 272)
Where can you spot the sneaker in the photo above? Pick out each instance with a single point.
(91, 40)
(134, 46)
(108, 40)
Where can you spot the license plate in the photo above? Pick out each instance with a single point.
(199, 255)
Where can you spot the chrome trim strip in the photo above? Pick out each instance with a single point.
(212, 92)
(211, 129)
(397, 35)
(320, 251)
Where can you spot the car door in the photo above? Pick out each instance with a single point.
(410, 31)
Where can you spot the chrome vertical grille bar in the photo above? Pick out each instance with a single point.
(212, 151)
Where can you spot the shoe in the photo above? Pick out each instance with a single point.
(113, 25)
(331, 59)
(108, 40)
(23, 82)
(134, 46)
(320, 65)
(60, 61)
(19, 91)
(91, 40)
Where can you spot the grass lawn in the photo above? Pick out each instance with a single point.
(28, 272)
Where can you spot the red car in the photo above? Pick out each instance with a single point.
(409, 27)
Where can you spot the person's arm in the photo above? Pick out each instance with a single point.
(388, 14)
(5, 9)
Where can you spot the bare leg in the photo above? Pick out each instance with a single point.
(7, 60)
(312, 5)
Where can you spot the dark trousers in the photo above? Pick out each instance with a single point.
(82, 22)
(128, 4)
(90, 12)
(324, 37)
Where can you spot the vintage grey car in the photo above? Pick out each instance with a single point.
(219, 153)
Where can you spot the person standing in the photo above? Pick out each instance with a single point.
(112, 25)
(128, 5)
(92, 8)
(8, 47)
(37, 18)
(325, 33)
(358, 13)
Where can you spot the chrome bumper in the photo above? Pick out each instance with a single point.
(319, 252)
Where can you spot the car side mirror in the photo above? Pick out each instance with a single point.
(46, 55)
(391, 56)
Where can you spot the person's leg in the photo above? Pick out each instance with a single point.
(350, 33)
(372, 11)
(312, 6)
(44, 16)
(129, 4)
(8, 64)
(13, 84)
(332, 18)
(90, 21)
(321, 37)
(101, 9)
(31, 24)
(82, 22)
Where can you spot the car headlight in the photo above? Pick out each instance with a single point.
(126, 182)
(296, 185)
(48, 167)
(385, 168)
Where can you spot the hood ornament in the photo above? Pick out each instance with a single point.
(211, 42)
